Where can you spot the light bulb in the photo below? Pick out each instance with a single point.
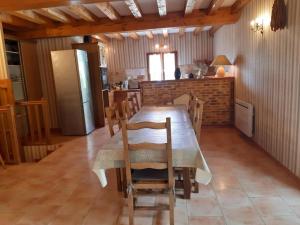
(157, 46)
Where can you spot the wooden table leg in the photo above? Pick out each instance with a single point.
(124, 182)
(119, 180)
(186, 183)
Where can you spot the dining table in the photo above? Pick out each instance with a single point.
(186, 152)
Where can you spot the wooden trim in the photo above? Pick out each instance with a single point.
(149, 34)
(13, 5)
(53, 14)
(146, 145)
(149, 165)
(198, 30)
(189, 7)
(134, 8)
(134, 36)
(16, 21)
(213, 30)
(108, 10)
(29, 15)
(239, 5)
(165, 33)
(199, 18)
(181, 31)
(214, 5)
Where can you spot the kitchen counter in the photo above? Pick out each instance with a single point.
(218, 94)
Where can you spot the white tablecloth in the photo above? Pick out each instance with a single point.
(186, 151)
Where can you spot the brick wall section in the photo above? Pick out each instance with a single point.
(218, 93)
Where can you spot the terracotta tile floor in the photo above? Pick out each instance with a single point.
(248, 187)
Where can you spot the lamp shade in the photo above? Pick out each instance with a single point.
(221, 60)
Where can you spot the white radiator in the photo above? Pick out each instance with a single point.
(244, 117)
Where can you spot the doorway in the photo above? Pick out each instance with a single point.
(161, 66)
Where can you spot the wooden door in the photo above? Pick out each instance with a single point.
(96, 82)
(31, 70)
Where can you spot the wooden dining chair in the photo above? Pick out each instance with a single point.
(191, 105)
(197, 123)
(113, 118)
(136, 104)
(197, 117)
(127, 109)
(182, 100)
(143, 176)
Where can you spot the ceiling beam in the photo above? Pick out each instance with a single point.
(28, 15)
(53, 14)
(214, 29)
(82, 12)
(214, 5)
(101, 37)
(118, 36)
(162, 7)
(134, 8)
(149, 34)
(15, 21)
(239, 5)
(198, 30)
(165, 33)
(189, 7)
(181, 31)
(134, 36)
(108, 10)
(15, 5)
(221, 17)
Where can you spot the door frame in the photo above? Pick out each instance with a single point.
(162, 60)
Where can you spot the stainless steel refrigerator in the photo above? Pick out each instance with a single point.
(73, 92)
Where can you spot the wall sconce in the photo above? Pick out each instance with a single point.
(257, 25)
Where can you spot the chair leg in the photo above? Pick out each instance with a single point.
(119, 180)
(187, 183)
(171, 206)
(2, 162)
(130, 206)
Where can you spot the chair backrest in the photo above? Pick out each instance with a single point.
(113, 118)
(191, 106)
(131, 105)
(197, 117)
(182, 100)
(136, 104)
(167, 147)
(127, 108)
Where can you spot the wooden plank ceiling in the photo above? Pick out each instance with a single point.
(30, 19)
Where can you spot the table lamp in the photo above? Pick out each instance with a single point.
(220, 61)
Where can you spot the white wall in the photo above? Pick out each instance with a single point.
(131, 54)
(268, 75)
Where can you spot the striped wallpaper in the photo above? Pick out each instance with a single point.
(268, 75)
(44, 47)
(131, 54)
